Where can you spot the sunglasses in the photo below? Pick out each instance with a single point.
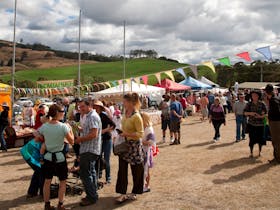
(61, 111)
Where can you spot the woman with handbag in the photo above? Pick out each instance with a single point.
(132, 131)
(256, 111)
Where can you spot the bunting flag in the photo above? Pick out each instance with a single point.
(128, 82)
(194, 70)
(108, 84)
(265, 51)
(245, 56)
(137, 80)
(145, 79)
(170, 75)
(182, 72)
(157, 75)
(210, 65)
(114, 83)
(225, 61)
(120, 82)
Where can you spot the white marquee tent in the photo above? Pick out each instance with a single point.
(209, 82)
(141, 89)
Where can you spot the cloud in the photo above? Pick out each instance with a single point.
(187, 30)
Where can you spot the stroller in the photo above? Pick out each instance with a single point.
(74, 184)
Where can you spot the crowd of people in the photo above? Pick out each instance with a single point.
(92, 127)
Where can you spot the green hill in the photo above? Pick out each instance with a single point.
(104, 71)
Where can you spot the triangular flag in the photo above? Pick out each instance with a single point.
(265, 51)
(137, 80)
(108, 84)
(245, 56)
(182, 72)
(120, 82)
(225, 61)
(170, 75)
(145, 79)
(114, 83)
(194, 70)
(210, 65)
(158, 77)
(128, 82)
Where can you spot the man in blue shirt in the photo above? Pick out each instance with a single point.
(176, 114)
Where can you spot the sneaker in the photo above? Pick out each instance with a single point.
(243, 138)
(49, 207)
(175, 142)
(237, 140)
(171, 140)
(132, 197)
(219, 138)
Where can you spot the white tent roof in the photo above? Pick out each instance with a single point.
(137, 88)
(208, 82)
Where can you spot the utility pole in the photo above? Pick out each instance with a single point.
(14, 58)
(79, 57)
(124, 67)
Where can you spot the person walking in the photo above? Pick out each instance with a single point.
(256, 111)
(176, 114)
(217, 117)
(90, 150)
(274, 121)
(55, 163)
(107, 127)
(4, 122)
(240, 118)
(132, 131)
(165, 118)
(204, 106)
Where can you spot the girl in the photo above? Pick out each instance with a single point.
(149, 146)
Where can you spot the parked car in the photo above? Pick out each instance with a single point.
(23, 100)
(46, 101)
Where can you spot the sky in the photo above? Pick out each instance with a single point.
(191, 31)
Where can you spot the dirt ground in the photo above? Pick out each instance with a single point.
(198, 174)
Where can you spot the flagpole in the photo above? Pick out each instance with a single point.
(14, 58)
(124, 70)
(79, 57)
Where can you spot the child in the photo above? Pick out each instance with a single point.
(150, 149)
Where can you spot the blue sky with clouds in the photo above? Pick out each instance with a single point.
(188, 30)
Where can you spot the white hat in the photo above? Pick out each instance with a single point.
(5, 104)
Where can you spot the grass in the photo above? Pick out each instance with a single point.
(107, 70)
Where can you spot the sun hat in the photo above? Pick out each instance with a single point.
(256, 92)
(98, 103)
(5, 104)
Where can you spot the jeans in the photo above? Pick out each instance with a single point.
(240, 122)
(2, 139)
(217, 124)
(37, 182)
(88, 175)
(106, 150)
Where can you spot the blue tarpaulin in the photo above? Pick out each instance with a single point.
(195, 84)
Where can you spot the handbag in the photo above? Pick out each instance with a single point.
(120, 147)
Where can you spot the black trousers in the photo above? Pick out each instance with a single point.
(137, 175)
(217, 124)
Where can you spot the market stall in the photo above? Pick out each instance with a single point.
(5, 96)
(16, 136)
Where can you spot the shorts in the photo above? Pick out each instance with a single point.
(165, 124)
(51, 169)
(204, 112)
(175, 126)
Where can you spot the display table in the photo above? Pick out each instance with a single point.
(18, 137)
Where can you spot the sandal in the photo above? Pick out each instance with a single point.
(132, 197)
(122, 199)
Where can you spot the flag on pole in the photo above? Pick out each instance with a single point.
(145, 79)
(194, 70)
(158, 77)
(170, 75)
(210, 65)
(182, 72)
(245, 56)
(225, 61)
(265, 51)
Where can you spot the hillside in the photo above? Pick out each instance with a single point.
(30, 59)
(100, 71)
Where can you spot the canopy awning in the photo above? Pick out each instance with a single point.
(169, 85)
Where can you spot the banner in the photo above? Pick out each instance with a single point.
(182, 72)
(245, 56)
(265, 51)
(170, 75)
(210, 65)
(225, 61)
(194, 70)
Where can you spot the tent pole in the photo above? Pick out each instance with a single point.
(79, 57)
(124, 70)
(14, 58)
